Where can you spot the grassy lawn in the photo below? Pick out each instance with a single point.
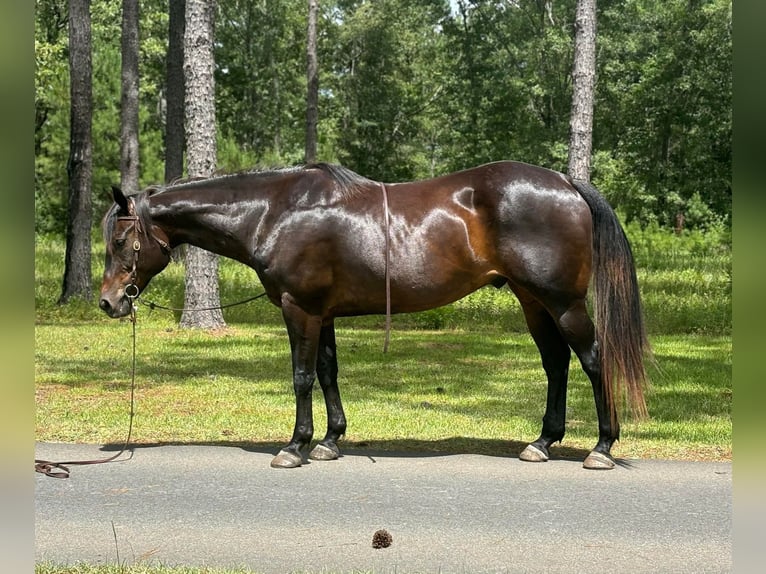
(133, 569)
(462, 378)
(448, 390)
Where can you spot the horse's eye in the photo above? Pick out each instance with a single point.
(119, 242)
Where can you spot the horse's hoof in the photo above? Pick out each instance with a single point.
(598, 461)
(286, 459)
(533, 454)
(324, 452)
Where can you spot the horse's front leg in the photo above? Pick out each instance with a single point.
(303, 330)
(327, 372)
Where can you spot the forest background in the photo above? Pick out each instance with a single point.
(410, 89)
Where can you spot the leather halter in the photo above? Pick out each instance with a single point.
(132, 216)
(136, 249)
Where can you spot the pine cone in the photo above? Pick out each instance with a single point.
(381, 539)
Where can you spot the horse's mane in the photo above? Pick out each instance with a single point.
(348, 182)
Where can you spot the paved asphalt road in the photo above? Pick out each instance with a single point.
(224, 506)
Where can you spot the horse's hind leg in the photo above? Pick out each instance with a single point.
(555, 355)
(580, 334)
(327, 372)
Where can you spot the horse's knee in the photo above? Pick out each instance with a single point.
(303, 382)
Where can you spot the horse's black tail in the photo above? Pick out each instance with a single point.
(620, 329)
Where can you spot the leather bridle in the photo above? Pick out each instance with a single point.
(131, 289)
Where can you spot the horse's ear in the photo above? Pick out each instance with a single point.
(119, 198)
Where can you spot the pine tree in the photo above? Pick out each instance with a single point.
(199, 65)
(77, 269)
(583, 86)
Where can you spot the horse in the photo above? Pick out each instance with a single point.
(326, 242)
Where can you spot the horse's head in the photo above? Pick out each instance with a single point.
(136, 250)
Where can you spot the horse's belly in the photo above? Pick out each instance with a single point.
(410, 291)
(436, 290)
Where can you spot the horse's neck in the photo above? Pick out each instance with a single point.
(217, 227)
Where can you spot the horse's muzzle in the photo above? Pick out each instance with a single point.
(115, 311)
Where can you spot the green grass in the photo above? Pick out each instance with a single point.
(48, 568)
(449, 390)
(464, 378)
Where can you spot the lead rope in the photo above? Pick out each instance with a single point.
(387, 220)
(152, 305)
(61, 469)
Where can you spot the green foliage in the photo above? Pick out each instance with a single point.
(384, 85)
(509, 86)
(411, 89)
(663, 110)
(52, 105)
(260, 77)
(685, 278)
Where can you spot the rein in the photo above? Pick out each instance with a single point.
(152, 305)
(387, 220)
(60, 469)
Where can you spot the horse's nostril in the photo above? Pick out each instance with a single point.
(104, 305)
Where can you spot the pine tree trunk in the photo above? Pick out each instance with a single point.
(129, 102)
(77, 260)
(312, 76)
(174, 92)
(201, 265)
(583, 84)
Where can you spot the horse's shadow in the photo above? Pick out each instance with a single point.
(407, 448)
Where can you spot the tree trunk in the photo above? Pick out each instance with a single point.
(199, 64)
(312, 76)
(77, 272)
(174, 92)
(583, 84)
(129, 102)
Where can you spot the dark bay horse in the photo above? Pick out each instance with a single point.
(326, 243)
